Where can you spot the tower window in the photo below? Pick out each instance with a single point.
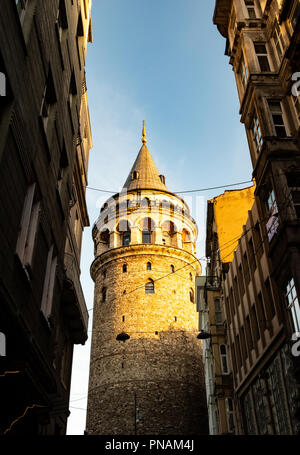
(172, 268)
(104, 294)
(146, 236)
(149, 287)
(126, 238)
(162, 179)
(135, 175)
(149, 266)
(124, 268)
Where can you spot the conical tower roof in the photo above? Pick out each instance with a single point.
(144, 173)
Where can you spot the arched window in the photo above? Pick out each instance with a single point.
(162, 179)
(126, 238)
(124, 268)
(147, 227)
(104, 237)
(172, 268)
(186, 237)
(149, 287)
(124, 229)
(192, 299)
(104, 294)
(145, 202)
(223, 355)
(135, 175)
(149, 266)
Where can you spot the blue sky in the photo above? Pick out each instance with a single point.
(161, 61)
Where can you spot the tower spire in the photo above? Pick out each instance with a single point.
(144, 140)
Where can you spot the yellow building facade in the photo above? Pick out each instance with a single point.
(146, 370)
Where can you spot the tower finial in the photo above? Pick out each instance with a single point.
(144, 140)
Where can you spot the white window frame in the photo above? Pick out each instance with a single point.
(293, 303)
(243, 71)
(256, 133)
(278, 40)
(28, 227)
(224, 357)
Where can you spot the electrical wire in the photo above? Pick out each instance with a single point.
(181, 192)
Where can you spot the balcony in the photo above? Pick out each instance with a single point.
(73, 301)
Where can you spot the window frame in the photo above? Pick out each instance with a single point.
(224, 358)
(290, 290)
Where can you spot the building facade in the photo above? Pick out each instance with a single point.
(261, 287)
(226, 215)
(44, 147)
(146, 370)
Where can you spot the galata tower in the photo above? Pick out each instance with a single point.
(146, 368)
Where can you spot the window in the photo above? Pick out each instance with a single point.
(262, 56)
(21, 7)
(29, 226)
(278, 40)
(62, 20)
(295, 16)
(48, 101)
(146, 236)
(255, 323)
(104, 237)
(256, 134)
(246, 268)
(192, 298)
(134, 175)
(126, 238)
(250, 8)
(249, 333)
(229, 412)
(218, 312)
(124, 268)
(172, 268)
(104, 294)
(149, 287)
(223, 355)
(277, 118)
(49, 281)
(293, 304)
(273, 222)
(162, 179)
(269, 297)
(296, 101)
(148, 265)
(243, 72)
(293, 181)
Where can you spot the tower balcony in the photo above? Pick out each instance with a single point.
(73, 300)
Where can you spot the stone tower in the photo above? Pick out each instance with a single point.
(146, 370)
